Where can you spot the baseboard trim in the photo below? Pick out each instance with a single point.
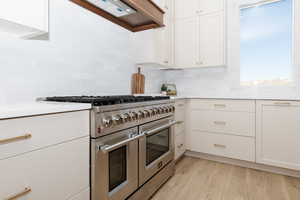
(241, 163)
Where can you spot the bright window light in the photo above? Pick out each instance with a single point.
(266, 43)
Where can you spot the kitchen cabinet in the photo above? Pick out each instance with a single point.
(222, 127)
(278, 133)
(199, 34)
(57, 172)
(211, 40)
(24, 19)
(193, 8)
(180, 144)
(164, 51)
(186, 42)
(51, 162)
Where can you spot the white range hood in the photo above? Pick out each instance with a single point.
(24, 19)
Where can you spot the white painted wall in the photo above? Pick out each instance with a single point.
(86, 55)
(225, 82)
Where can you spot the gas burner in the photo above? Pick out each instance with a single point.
(106, 100)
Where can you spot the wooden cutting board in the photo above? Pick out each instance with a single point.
(138, 83)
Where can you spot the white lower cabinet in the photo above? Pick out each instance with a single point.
(58, 172)
(278, 133)
(222, 127)
(237, 147)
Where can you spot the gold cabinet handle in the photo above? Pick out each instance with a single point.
(220, 123)
(179, 122)
(220, 105)
(15, 196)
(14, 139)
(282, 103)
(179, 146)
(220, 146)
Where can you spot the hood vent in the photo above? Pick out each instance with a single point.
(134, 15)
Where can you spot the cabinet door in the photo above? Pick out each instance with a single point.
(212, 40)
(165, 43)
(278, 134)
(186, 9)
(209, 6)
(58, 172)
(186, 42)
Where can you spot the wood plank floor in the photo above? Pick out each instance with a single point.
(198, 179)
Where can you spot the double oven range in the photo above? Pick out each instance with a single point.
(132, 148)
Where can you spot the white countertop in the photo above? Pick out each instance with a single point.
(234, 98)
(39, 108)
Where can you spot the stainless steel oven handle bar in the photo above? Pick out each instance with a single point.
(106, 148)
(153, 131)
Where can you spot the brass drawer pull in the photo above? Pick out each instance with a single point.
(179, 122)
(282, 103)
(14, 139)
(179, 146)
(220, 105)
(220, 146)
(15, 196)
(220, 123)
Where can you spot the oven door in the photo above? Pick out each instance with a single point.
(114, 168)
(156, 148)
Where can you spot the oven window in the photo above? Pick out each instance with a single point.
(117, 167)
(157, 145)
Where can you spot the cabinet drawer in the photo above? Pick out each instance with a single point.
(58, 172)
(223, 105)
(230, 146)
(42, 131)
(237, 123)
(179, 128)
(180, 110)
(180, 145)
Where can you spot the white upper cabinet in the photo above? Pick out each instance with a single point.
(186, 42)
(199, 33)
(186, 9)
(192, 8)
(24, 19)
(277, 134)
(209, 6)
(211, 40)
(164, 50)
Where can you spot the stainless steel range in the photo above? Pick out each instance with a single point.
(132, 146)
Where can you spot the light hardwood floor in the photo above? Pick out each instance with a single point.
(198, 179)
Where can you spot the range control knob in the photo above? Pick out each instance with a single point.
(140, 115)
(156, 111)
(125, 117)
(107, 122)
(133, 116)
(152, 112)
(117, 119)
(173, 108)
(146, 113)
(161, 110)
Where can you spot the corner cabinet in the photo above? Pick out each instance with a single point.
(277, 133)
(199, 33)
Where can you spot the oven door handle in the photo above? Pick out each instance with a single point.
(153, 131)
(108, 148)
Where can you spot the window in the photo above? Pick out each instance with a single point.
(266, 42)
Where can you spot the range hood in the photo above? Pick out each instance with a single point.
(134, 15)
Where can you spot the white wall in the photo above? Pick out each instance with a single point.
(86, 55)
(225, 82)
